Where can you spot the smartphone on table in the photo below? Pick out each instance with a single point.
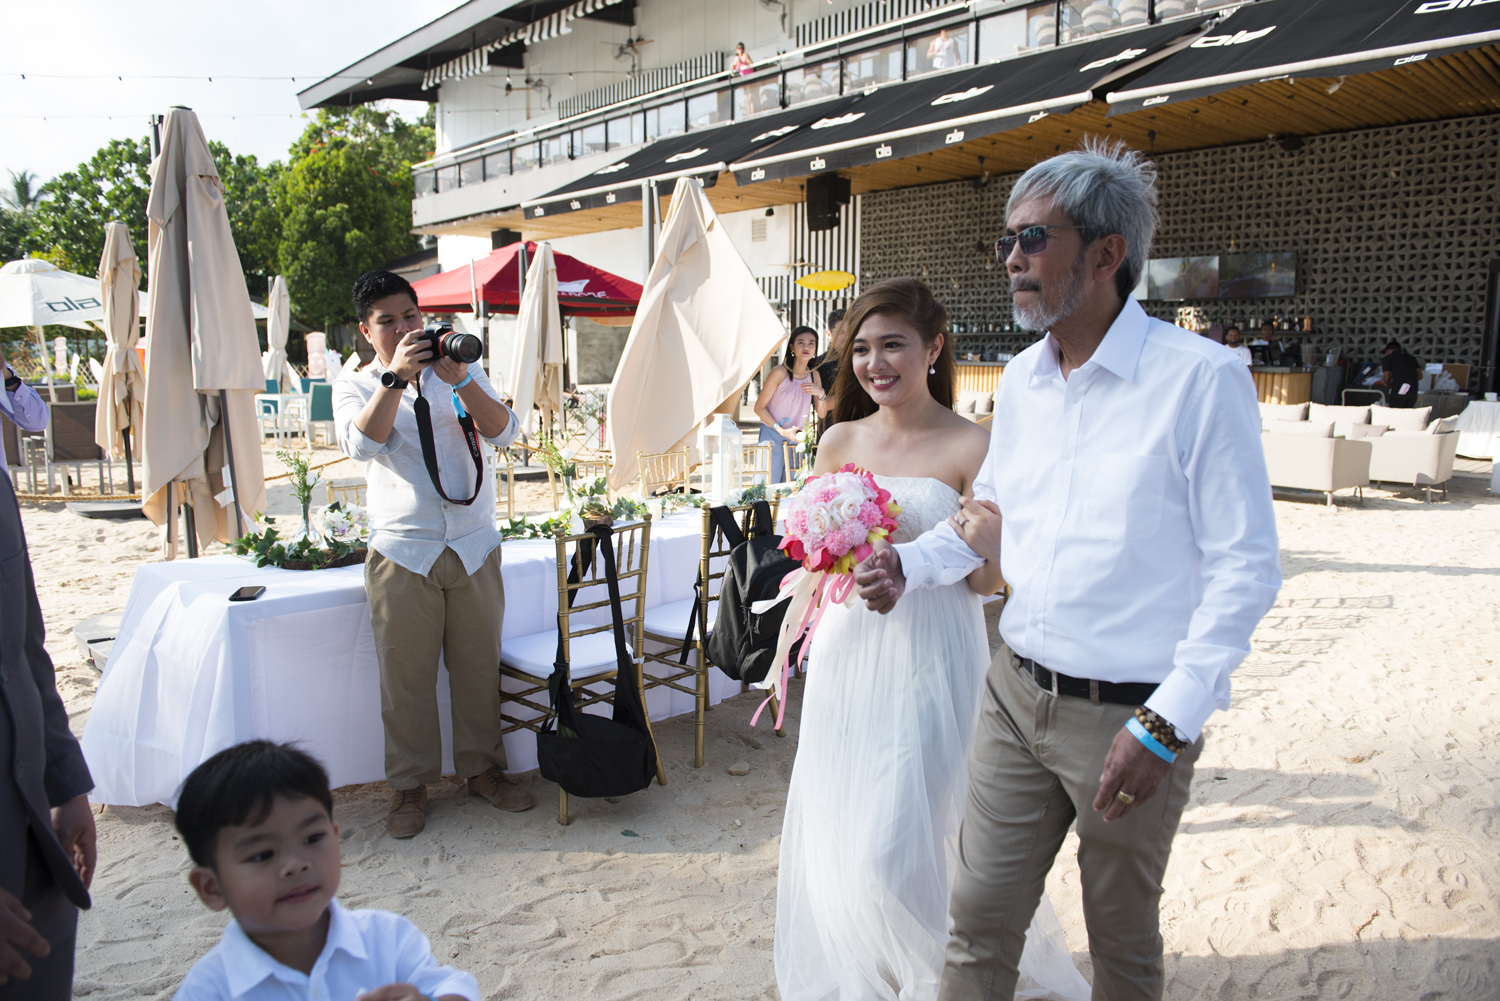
(248, 593)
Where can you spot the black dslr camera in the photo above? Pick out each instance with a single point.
(449, 343)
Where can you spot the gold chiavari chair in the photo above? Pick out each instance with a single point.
(792, 460)
(756, 461)
(663, 472)
(588, 639)
(584, 471)
(504, 468)
(351, 493)
(668, 623)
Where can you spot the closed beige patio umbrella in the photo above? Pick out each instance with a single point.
(702, 330)
(122, 388)
(537, 359)
(278, 326)
(203, 364)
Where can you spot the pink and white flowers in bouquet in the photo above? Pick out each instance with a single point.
(832, 524)
(834, 521)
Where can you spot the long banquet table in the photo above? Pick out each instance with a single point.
(1478, 429)
(192, 673)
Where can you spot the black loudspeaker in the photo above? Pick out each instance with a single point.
(504, 238)
(826, 194)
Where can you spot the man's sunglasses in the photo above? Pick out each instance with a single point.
(1033, 240)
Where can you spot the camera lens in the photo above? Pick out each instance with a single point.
(460, 347)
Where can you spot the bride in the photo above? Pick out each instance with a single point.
(890, 701)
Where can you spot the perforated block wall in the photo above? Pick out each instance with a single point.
(1394, 229)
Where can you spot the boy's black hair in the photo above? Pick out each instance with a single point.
(375, 285)
(239, 785)
(834, 316)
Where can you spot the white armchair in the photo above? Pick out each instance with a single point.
(1303, 462)
(1419, 458)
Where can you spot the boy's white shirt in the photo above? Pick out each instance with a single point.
(364, 950)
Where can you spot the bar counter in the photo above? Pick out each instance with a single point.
(1282, 384)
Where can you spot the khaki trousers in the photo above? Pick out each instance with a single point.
(414, 618)
(1034, 770)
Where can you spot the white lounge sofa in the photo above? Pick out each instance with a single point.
(1418, 458)
(1325, 464)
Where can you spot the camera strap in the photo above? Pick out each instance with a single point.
(429, 449)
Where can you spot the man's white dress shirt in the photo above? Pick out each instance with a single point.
(410, 522)
(1138, 535)
(364, 950)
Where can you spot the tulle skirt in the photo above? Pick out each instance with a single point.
(877, 790)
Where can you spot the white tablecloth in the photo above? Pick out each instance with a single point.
(1479, 430)
(192, 673)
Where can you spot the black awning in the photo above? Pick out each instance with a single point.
(918, 116)
(704, 152)
(1276, 39)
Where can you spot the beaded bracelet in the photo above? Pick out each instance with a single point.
(1159, 728)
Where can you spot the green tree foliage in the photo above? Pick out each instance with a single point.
(113, 184)
(346, 204)
(13, 230)
(22, 193)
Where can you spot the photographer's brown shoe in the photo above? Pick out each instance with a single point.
(500, 790)
(408, 813)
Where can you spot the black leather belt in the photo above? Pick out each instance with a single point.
(1126, 693)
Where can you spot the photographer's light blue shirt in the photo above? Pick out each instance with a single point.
(410, 523)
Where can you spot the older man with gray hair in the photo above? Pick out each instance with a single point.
(1138, 536)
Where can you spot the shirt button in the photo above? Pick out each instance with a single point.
(1067, 456)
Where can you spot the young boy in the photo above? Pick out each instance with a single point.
(257, 820)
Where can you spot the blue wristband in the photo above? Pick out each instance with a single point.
(1152, 744)
(468, 378)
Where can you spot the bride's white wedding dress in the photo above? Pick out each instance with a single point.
(877, 790)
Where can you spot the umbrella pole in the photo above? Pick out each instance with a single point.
(129, 469)
(234, 476)
(190, 527)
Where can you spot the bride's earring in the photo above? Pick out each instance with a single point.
(932, 370)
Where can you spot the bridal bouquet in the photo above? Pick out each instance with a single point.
(832, 524)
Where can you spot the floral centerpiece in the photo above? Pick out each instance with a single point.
(832, 523)
(338, 540)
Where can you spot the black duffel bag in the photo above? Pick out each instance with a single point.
(743, 643)
(587, 754)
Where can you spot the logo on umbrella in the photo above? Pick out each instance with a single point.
(776, 133)
(1125, 56)
(67, 304)
(828, 123)
(613, 167)
(688, 155)
(1238, 38)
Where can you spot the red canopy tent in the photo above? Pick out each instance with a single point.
(582, 289)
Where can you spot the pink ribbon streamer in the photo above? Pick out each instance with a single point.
(809, 602)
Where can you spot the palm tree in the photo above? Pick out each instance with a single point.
(24, 192)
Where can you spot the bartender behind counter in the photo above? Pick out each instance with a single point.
(1400, 374)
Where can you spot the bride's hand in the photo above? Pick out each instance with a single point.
(978, 524)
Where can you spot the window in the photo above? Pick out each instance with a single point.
(523, 158)
(1081, 18)
(496, 164)
(638, 127)
(812, 82)
(666, 120)
(1172, 8)
(425, 182)
(617, 132)
(872, 68)
(706, 109)
(591, 139)
(447, 177)
(1041, 26)
(753, 98)
(554, 150)
(942, 51)
(471, 172)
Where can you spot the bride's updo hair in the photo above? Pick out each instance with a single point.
(908, 300)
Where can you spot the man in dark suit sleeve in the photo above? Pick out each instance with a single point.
(47, 846)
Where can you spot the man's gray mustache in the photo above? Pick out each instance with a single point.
(1024, 285)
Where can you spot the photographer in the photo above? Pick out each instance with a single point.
(433, 575)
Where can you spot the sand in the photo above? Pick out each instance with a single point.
(1343, 838)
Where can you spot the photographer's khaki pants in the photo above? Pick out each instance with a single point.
(1033, 770)
(414, 618)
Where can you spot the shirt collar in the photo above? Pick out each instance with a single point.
(247, 965)
(1119, 352)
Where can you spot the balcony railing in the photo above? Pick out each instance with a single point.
(886, 54)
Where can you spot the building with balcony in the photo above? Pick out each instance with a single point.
(879, 136)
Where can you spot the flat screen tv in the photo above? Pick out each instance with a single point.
(1169, 278)
(1258, 276)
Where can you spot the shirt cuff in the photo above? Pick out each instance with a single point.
(363, 448)
(914, 566)
(1182, 701)
(511, 433)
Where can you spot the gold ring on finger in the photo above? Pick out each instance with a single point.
(1124, 797)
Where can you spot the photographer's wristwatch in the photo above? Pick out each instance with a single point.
(390, 380)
